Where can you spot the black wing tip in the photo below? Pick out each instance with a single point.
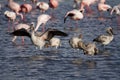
(65, 34)
(20, 32)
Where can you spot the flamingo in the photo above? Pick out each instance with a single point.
(11, 16)
(43, 6)
(74, 15)
(42, 19)
(105, 39)
(15, 7)
(116, 10)
(103, 7)
(18, 27)
(25, 8)
(89, 48)
(87, 3)
(53, 4)
(40, 40)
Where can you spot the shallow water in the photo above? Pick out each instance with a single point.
(25, 62)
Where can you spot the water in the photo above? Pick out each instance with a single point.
(18, 62)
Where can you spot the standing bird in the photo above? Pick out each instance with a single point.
(11, 17)
(116, 10)
(40, 40)
(25, 8)
(74, 41)
(15, 7)
(103, 7)
(18, 27)
(43, 6)
(53, 4)
(105, 39)
(74, 15)
(86, 4)
(42, 19)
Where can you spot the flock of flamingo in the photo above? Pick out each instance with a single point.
(46, 38)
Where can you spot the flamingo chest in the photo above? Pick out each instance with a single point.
(38, 41)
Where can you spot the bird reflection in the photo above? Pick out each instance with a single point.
(89, 64)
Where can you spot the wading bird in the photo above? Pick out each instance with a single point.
(86, 4)
(40, 40)
(105, 39)
(11, 17)
(15, 7)
(43, 6)
(103, 7)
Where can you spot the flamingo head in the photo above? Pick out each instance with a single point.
(82, 10)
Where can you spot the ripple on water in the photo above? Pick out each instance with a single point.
(25, 62)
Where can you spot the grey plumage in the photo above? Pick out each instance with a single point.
(105, 39)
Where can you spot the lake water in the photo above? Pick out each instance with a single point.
(25, 62)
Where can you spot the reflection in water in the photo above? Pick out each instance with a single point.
(89, 64)
(24, 62)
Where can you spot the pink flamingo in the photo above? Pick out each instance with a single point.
(103, 7)
(53, 4)
(15, 7)
(87, 3)
(74, 14)
(43, 6)
(42, 19)
(25, 8)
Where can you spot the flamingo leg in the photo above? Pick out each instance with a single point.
(69, 25)
(14, 38)
(89, 9)
(24, 17)
(13, 26)
(118, 20)
(23, 40)
(76, 23)
(9, 25)
(52, 14)
(21, 15)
